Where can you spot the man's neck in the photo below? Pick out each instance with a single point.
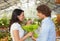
(44, 17)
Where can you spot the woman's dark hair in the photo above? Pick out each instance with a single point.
(44, 10)
(14, 18)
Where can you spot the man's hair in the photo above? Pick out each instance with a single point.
(44, 10)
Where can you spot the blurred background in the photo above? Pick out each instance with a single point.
(29, 7)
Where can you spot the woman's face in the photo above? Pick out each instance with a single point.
(21, 16)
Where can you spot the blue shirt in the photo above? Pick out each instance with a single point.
(48, 32)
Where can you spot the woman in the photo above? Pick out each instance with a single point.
(17, 33)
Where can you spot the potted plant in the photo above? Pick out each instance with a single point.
(4, 22)
(3, 36)
(57, 24)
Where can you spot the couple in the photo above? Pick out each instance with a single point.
(47, 32)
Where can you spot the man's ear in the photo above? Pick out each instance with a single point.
(43, 15)
(17, 16)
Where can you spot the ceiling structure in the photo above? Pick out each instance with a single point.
(4, 4)
(52, 4)
(7, 3)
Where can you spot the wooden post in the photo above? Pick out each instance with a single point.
(58, 18)
(58, 27)
(57, 1)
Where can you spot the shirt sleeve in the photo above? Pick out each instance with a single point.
(15, 26)
(44, 32)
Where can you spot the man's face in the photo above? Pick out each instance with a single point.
(40, 15)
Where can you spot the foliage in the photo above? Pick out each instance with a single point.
(55, 21)
(31, 28)
(3, 34)
(4, 21)
(9, 37)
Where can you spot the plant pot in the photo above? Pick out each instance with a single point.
(4, 39)
(58, 33)
(57, 1)
(3, 28)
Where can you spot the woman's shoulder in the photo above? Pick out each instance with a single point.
(15, 25)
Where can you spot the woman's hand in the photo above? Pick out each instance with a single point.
(29, 22)
(33, 38)
(27, 35)
(30, 34)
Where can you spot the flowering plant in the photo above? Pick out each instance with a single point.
(31, 28)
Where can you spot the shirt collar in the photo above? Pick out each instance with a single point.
(45, 19)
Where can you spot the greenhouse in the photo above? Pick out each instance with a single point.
(29, 7)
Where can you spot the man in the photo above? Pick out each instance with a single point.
(47, 32)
